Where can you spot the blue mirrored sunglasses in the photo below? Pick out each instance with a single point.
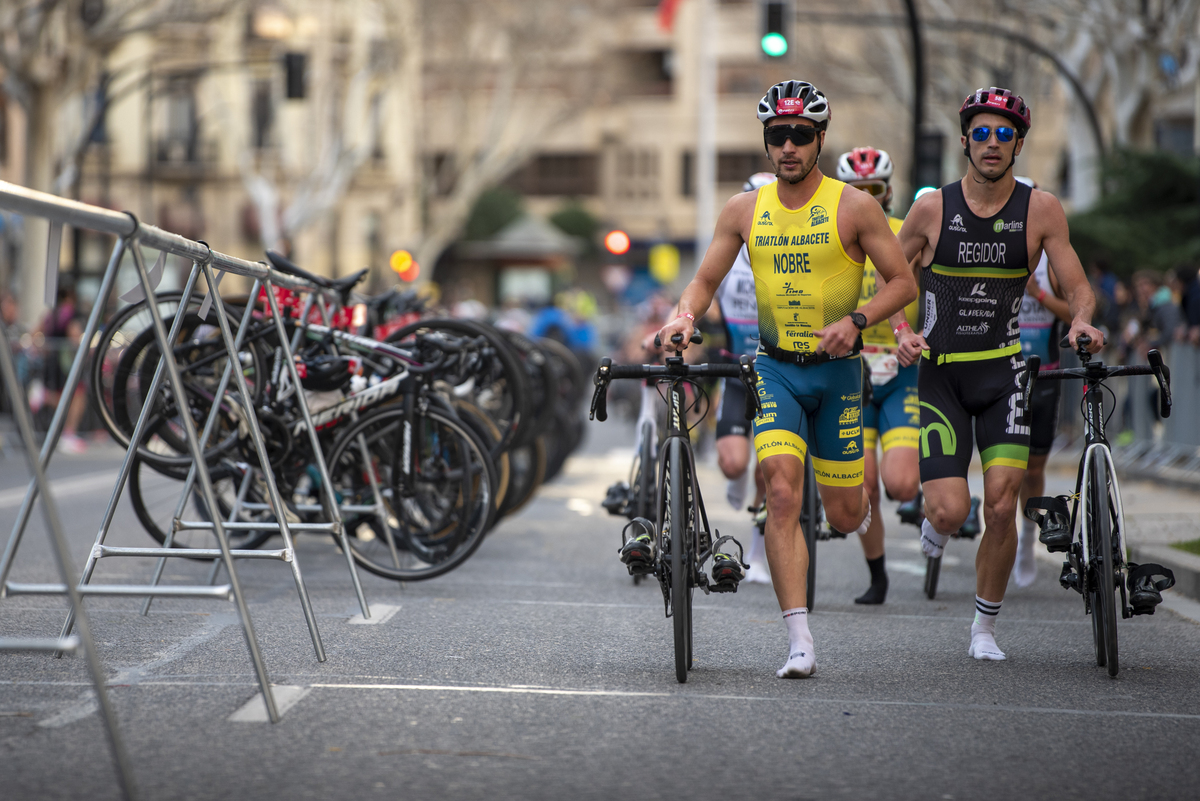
(983, 133)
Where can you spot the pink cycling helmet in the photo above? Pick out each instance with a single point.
(996, 101)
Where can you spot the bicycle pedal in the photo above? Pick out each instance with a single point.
(910, 511)
(1144, 592)
(637, 546)
(727, 570)
(1069, 579)
(1054, 527)
(616, 499)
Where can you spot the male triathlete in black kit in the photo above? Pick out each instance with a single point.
(975, 243)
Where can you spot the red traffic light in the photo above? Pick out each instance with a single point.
(617, 242)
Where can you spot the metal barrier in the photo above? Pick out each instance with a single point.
(131, 236)
(1167, 449)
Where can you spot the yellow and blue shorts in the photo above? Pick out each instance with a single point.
(817, 407)
(894, 413)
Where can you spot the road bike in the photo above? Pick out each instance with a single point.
(679, 541)
(1091, 530)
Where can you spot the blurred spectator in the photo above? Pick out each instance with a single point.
(1189, 300)
(569, 321)
(1105, 283)
(63, 331)
(1160, 316)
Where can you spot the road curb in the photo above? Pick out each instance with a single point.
(1185, 566)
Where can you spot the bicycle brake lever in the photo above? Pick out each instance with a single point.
(599, 408)
(1032, 365)
(1162, 374)
(753, 402)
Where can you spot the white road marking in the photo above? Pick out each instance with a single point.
(380, 613)
(580, 506)
(12, 498)
(75, 712)
(255, 710)
(517, 689)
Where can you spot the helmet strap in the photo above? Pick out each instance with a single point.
(986, 180)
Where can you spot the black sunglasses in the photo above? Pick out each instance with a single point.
(800, 135)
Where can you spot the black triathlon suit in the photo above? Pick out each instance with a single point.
(973, 290)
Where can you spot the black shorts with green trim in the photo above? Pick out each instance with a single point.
(953, 393)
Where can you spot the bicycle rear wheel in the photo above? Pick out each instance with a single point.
(933, 569)
(439, 521)
(808, 526)
(1104, 569)
(674, 526)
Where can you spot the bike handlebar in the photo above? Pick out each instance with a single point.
(608, 371)
(1096, 371)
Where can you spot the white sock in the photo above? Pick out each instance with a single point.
(865, 524)
(801, 660)
(735, 491)
(759, 572)
(983, 631)
(1025, 568)
(932, 543)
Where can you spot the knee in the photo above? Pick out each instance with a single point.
(783, 497)
(903, 487)
(732, 465)
(873, 493)
(999, 509)
(945, 518)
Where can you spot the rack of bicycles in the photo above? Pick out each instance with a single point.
(290, 409)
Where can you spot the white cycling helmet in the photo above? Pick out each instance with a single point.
(795, 99)
(757, 181)
(864, 164)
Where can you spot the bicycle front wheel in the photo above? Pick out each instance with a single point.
(1104, 569)
(674, 525)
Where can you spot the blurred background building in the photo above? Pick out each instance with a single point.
(500, 140)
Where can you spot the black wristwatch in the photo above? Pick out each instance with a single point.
(859, 319)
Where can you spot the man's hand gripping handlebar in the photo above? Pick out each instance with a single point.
(674, 368)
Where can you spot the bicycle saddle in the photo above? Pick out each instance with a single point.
(342, 285)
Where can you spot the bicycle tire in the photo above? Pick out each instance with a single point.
(808, 527)
(541, 372)
(1104, 567)
(442, 523)
(154, 495)
(675, 525)
(528, 472)
(645, 483)
(933, 570)
(472, 417)
(122, 366)
(509, 405)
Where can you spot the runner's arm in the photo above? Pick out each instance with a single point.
(1052, 300)
(924, 216)
(718, 259)
(1064, 263)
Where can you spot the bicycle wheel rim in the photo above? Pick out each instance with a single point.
(1101, 529)
(675, 527)
(154, 494)
(933, 569)
(646, 471)
(440, 524)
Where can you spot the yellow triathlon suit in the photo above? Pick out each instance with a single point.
(894, 412)
(804, 281)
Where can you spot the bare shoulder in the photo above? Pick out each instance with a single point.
(1046, 208)
(860, 205)
(742, 204)
(926, 214)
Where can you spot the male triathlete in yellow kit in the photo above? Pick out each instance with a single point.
(808, 236)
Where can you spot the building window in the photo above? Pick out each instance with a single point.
(687, 173)
(643, 72)
(735, 168)
(637, 174)
(439, 171)
(572, 174)
(179, 142)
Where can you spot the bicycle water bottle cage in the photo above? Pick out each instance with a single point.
(1144, 592)
(1054, 525)
(727, 571)
(617, 499)
(637, 546)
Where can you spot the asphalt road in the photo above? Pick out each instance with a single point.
(537, 670)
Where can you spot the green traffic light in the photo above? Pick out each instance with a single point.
(775, 44)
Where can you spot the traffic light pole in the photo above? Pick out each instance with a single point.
(706, 127)
(918, 102)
